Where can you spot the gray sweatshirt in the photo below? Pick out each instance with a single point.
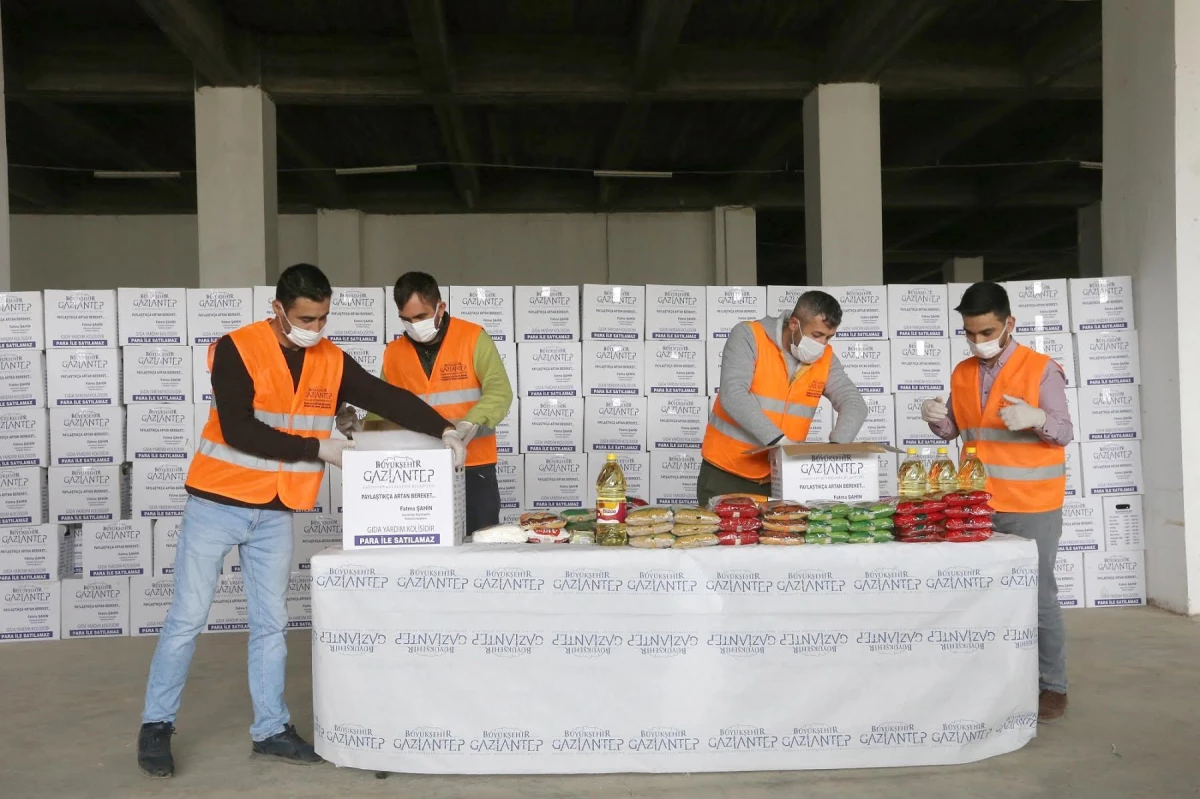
(737, 371)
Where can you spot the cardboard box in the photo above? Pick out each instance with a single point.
(84, 318)
(24, 437)
(95, 607)
(263, 301)
(356, 316)
(30, 611)
(334, 475)
(1124, 525)
(119, 548)
(22, 324)
(730, 305)
(232, 562)
(1072, 395)
(152, 317)
(229, 611)
(1068, 574)
(150, 599)
(200, 414)
(165, 535)
(550, 369)
(880, 426)
(83, 377)
(911, 431)
(22, 379)
(1058, 346)
(157, 374)
(401, 489)
(552, 424)
(1110, 412)
(546, 313)
(613, 313)
(1112, 467)
(508, 354)
(634, 465)
(368, 356)
(676, 313)
(921, 365)
(299, 601)
(158, 487)
(1109, 358)
(676, 422)
(781, 300)
(615, 424)
(917, 312)
(88, 493)
(201, 376)
(673, 476)
(954, 295)
(1040, 306)
(843, 472)
(23, 496)
(716, 351)
(32, 553)
(868, 363)
(558, 480)
(311, 533)
(73, 553)
(211, 313)
(675, 367)
(490, 307)
(81, 436)
(960, 350)
(1101, 303)
(1074, 472)
(864, 311)
(164, 431)
(508, 438)
(510, 474)
(614, 369)
(1115, 579)
(1083, 525)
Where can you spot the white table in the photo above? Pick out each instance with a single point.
(528, 659)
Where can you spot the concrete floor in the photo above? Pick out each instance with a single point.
(70, 715)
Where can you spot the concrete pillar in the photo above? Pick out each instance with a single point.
(1091, 252)
(963, 270)
(5, 241)
(735, 246)
(843, 204)
(339, 246)
(1151, 220)
(236, 198)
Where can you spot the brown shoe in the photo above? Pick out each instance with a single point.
(1051, 707)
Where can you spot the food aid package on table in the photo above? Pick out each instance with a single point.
(734, 539)
(690, 515)
(696, 541)
(655, 541)
(775, 538)
(782, 510)
(501, 534)
(649, 515)
(740, 524)
(642, 530)
(732, 506)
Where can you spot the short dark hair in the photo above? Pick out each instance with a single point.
(419, 283)
(985, 298)
(817, 303)
(302, 280)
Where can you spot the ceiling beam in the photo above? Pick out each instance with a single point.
(872, 33)
(321, 180)
(221, 53)
(71, 128)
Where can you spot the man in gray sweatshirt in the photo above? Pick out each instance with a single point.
(773, 374)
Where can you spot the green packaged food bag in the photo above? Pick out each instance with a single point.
(840, 536)
(816, 538)
(839, 525)
(861, 538)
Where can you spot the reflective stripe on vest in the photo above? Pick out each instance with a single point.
(226, 453)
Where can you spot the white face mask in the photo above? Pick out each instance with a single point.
(424, 331)
(298, 335)
(986, 350)
(808, 350)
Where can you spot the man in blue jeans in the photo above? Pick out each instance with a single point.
(276, 387)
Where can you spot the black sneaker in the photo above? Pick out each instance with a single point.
(288, 747)
(154, 749)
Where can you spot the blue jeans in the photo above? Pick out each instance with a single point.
(264, 542)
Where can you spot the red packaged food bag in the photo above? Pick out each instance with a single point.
(980, 510)
(735, 506)
(967, 536)
(968, 524)
(968, 498)
(908, 520)
(921, 529)
(737, 539)
(924, 538)
(739, 524)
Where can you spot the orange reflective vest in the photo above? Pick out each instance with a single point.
(306, 410)
(452, 388)
(1025, 474)
(790, 406)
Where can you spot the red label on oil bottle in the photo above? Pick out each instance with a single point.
(609, 511)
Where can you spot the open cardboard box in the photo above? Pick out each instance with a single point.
(823, 471)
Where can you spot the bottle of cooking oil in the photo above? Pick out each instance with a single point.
(610, 492)
(943, 474)
(913, 482)
(972, 476)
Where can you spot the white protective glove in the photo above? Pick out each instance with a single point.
(1021, 415)
(331, 449)
(456, 446)
(934, 411)
(348, 420)
(466, 431)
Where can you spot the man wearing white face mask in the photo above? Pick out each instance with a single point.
(773, 374)
(1010, 403)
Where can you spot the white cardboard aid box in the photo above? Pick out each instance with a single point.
(312, 532)
(30, 611)
(1060, 347)
(1109, 358)
(201, 375)
(550, 369)
(730, 305)
(614, 313)
(508, 355)
(164, 431)
(120, 548)
(1107, 413)
(960, 350)
(635, 466)
(22, 379)
(842, 472)
(1115, 579)
(1068, 574)
(88, 493)
(676, 422)
(165, 534)
(508, 432)
(1039, 306)
(1112, 467)
(92, 434)
(781, 300)
(1101, 303)
(211, 313)
(1124, 526)
(880, 427)
(676, 313)
(546, 313)
(1083, 525)
(263, 297)
(868, 363)
(31, 553)
(400, 488)
(157, 374)
(355, 316)
(299, 601)
(510, 474)
(149, 600)
(614, 424)
(921, 364)
(911, 430)
(23, 496)
(716, 351)
(490, 307)
(1074, 472)
(152, 316)
(95, 607)
(675, 367)
(229, 611)
(83, 377)
(864, 311)
(917, 311)
(158, 487)
(614, 368)
(24, 437)
(954, 295)
(22, 325)
(552, 424)
(368, 356)
(673, 476)
(83, 318)
(558, 480)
